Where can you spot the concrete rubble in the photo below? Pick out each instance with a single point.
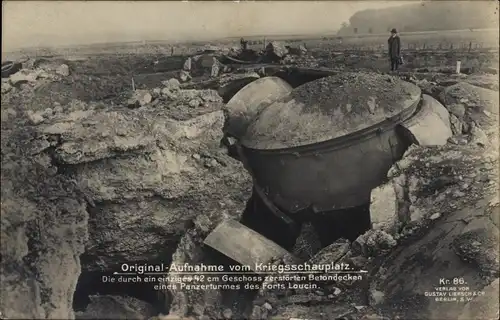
(127, 172)
(139, 191)
(471, 106)
(439, 198)
(28, 76)
(277, 48)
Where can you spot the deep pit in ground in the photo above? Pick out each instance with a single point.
(329, 226)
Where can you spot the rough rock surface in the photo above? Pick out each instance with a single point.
(472, 106)
(116, 307)
(443, 199)
(148, 176)
(448, 204)
(43, 226)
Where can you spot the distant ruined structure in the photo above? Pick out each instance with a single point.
(425, 16)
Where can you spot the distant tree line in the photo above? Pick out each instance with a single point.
(425, 16)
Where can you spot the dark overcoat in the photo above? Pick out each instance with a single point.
(394, 47)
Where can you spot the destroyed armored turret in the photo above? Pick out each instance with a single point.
(326, 144)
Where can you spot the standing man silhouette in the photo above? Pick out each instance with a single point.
(394, 50)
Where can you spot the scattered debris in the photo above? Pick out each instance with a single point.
(133, 171)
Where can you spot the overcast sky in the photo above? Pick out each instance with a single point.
(39, 23)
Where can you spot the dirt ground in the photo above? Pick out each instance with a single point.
(95, 174)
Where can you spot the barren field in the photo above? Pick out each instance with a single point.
(113, 156)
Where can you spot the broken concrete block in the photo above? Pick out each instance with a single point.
(18, 78)
(6, 87)
(277, 48)
(456, 125)
(172, 84)
(256, 313)
(166, 92)
(187, 65)
(332, 253)
(373, 242)
(457, 109)
(209, 95)
(184, 76)
(63, 70)
(479, 137)
(35, 117)
(267, 306)
(384, 207)
(429, 127)
(244, 245)
(8, 113)
(481, 105)
(140, 98)
(376, 297)
(215, 68)
(194, 103)
(156, 92)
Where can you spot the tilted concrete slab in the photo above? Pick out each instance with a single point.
(430, 126)
(244, 245)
